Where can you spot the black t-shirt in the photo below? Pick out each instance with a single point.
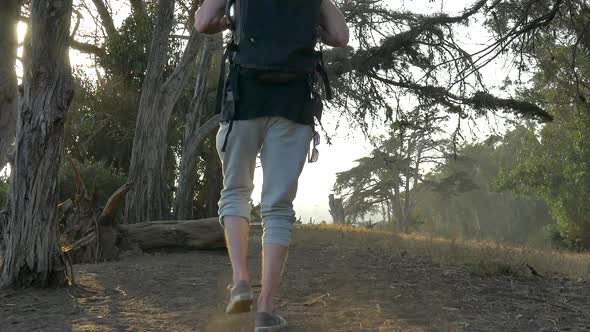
(291, 100)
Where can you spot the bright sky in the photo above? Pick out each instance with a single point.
(317, 179)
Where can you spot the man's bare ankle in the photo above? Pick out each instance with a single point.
(264, 307)
(236, 280)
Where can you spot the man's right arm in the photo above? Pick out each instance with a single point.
(210, 17)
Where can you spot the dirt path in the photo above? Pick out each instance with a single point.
(328, 287)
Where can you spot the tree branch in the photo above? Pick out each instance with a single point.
(87, 48)
(374, 57)
(480, 100)
(172, 86)
(105, 17)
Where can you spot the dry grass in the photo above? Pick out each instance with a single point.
(486, 257)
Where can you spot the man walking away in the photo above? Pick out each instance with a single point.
(268, 103)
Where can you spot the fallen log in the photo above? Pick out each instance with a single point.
(185, 234)
(95, 237)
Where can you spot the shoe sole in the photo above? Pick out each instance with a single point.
(240, 304)
(271, 328)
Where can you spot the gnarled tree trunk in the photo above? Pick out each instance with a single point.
(336, 210)
(33, 255)
(195, 132)
(8, 84)
(149, 197)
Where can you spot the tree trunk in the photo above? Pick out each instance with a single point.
(336, 210)
(33, 255)
(194, 132)
(8, 84)
(149, 197)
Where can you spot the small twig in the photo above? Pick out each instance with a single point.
(316, 300)
(533, 271)
(118, 289)
(80, 243)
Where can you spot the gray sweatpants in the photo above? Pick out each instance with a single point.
(283, 147)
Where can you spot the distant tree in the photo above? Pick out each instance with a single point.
(394, 168)
(554, 164)
(554, 160)
(459, 197)
(336, 210)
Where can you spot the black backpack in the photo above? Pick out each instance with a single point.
(275, 38)
(277, 35)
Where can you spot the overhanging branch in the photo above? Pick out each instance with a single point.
(342, 62)
(87, 48)
(479, 100)
(105, 17)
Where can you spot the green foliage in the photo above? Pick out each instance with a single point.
(554, 163)
(98, 178)
(101, 121)
(129, 50)
(460, 198)
(557, 168)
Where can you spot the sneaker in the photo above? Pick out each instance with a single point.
(266, 322)
(240, 299)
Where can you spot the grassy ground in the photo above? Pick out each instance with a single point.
(337, 279)
(486, 257)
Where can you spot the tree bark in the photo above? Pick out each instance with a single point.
(8, 83)
(194, 132)
(105, 17)
(33, 255)
(138, 7)
(336, 210)
(149, 197)
(185, 234)
(115, 239)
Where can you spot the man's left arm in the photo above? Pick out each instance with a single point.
(210, 17)
(333, 28)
